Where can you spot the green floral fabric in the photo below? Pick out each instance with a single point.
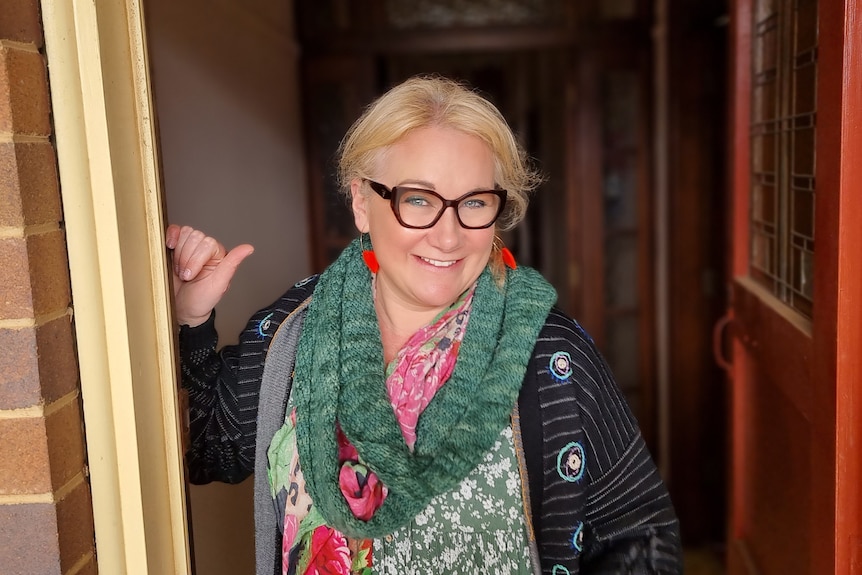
(478, 527)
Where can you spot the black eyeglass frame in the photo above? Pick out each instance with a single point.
(391, 194)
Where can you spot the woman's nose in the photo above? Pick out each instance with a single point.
(446, 233)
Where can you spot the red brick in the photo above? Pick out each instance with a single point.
(58, 364)
(35, 278)
(75, 523)
(16, 297)
(20, 21)
(11, 211)
(19, 369)
(29, 189)
(30, 540)
(24, 465)
(24, 101)
(49, 272)
(65, 443)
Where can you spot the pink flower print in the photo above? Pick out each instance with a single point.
(346, 450)
(290, 529)
(361, 488)
(329, 553)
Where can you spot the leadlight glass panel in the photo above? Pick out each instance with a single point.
(783, 114)
(407, 14)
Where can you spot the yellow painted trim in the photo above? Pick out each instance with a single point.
(102, 111)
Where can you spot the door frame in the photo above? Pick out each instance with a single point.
(845, 18)
(833, 339)
(112, 203)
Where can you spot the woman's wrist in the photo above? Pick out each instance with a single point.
(194, 321)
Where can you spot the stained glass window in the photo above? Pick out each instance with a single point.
(783, 114)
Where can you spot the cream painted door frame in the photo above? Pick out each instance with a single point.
(109, 177)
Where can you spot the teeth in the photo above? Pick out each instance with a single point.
(438, 263)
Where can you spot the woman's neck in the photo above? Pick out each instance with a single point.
(398, 324)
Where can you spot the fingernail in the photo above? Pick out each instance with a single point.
(187, 274)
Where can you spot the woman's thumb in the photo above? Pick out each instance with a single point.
(227, 267)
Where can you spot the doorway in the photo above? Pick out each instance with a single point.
(576, 80)
(579, 107)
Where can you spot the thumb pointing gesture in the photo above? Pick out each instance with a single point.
(202, 272)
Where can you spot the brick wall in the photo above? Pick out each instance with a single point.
(46, 518)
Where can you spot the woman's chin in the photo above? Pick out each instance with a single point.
(438, 299)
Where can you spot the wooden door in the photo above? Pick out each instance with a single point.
(795, 291)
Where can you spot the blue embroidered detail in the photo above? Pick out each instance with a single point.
(305, 281)
(263, 325)
(560, 570)
(571, 462)
(578, 537)
(584, 333)
(561, 366)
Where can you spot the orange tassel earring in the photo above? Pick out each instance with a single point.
(508, 258)
(369, 258)
(505, 253)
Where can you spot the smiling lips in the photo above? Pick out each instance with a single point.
(438, 263)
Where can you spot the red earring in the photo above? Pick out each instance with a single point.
(508, 258)
(370, 260)
(368, 257)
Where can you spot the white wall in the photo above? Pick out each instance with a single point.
(226, 87)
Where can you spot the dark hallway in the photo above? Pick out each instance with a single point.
(622, 104)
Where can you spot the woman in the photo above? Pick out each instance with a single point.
(421, 407)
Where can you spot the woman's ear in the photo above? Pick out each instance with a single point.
(359, 205)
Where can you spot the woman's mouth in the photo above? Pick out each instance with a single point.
(439, 263)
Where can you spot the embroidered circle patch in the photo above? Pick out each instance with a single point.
(561, 366)
(264, 325)
(571, 462)
(578, 537)
(560, 570)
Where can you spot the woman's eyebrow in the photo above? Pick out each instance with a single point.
(416, 184)
(429, 186)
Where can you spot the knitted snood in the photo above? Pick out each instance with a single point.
(339, 378)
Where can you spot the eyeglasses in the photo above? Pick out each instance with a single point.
(420, 209)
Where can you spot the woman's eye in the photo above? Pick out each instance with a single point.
(416, 201)
(474, 203)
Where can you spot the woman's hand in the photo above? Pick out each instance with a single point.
(202, 270)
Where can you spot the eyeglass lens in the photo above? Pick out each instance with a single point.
(421, 207)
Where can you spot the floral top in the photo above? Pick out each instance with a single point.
(478, 528)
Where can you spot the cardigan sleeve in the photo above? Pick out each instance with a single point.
(632, 527)
(624, 519)
(223, 388)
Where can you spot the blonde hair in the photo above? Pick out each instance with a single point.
(424, 101)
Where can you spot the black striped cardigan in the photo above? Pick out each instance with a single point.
(597, 503)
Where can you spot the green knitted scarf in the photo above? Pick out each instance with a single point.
(339, 378)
